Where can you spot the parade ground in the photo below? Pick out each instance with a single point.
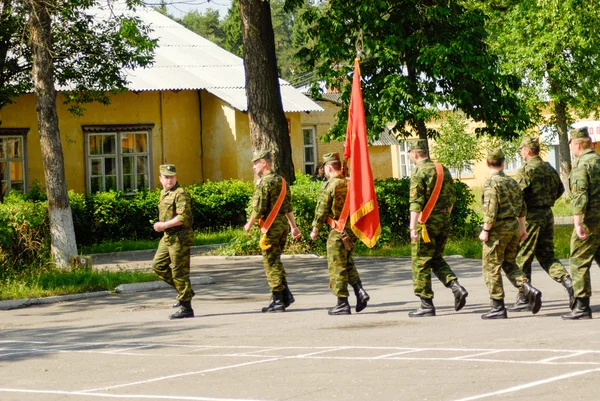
(123, 346)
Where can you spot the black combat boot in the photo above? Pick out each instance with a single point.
(342, 307)
(425, 309)
(361, 297)
(288, 297)
(522, 303)
(184, 311)
(568, 284)
(498, 310)
(581, 310)
(534, 296)
(276, 304)
(460, 295)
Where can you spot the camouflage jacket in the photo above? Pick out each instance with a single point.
(422, 182)
(266, 194)
(502, 199)
(585, 182)
(540, 183)
(331, 201)
(175, 202)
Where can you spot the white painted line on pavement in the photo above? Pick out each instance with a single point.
(473, 355)
(399, 353)
(529, 385)
(126, 396)
(563, 356)
(122, 351)
(181, 375)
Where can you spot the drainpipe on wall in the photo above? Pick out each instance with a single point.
(162, 128)
(201, 138)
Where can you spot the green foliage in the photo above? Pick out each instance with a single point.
(415, 56)
(205, 24)
(392, 197)
(465, 221)
(90, 54)
(455, 147)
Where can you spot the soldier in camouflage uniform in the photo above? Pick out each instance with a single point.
(541, 187)
(272, 243)
(585, 241)
(504, 211)
(172, 259)
(342, 269)
(429, 256)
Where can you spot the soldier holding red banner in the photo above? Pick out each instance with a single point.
(431, 200)
(272, 207)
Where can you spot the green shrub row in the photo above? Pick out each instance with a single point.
(114, 216)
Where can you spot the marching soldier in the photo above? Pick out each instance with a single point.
(541, 187)
(504, 213)
(333, 208)
(585, 241)
(172, 259)
(272, 207)
(431, 200)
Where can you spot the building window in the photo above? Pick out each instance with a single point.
(513, 165)
(310, 149)
(406, 165)
(13, 160)
(118, 158)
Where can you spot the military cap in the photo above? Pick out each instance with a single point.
(261, 154)
(495, 154)
(331, 157)
(530, 142)
(168, 169)
(421, 144)
(579, 133)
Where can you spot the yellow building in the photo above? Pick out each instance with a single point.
(188, 109)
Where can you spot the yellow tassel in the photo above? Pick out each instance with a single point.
(263, 242)
(425, 234)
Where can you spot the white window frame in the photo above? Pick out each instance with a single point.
(119, 132)
(404, 162)
(20, 133)
(513, 165)
(306, 164)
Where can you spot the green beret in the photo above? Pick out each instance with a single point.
(421, 144)
(331, 157)
(530, 142)
(168, 169)
(579, 133)
(261, 154)
(495, 154)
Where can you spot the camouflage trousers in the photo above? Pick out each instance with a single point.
(500, 252)
(582, 254)
(172, 262)
(428, 257)
(340, 264)
(540, 244)
(272, 245)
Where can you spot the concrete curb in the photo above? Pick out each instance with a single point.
(159, 285)
(20, 303)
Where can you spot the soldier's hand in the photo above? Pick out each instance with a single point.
(581, 232)
(314, 234)
(414, 235)
(296, 233)
(247, 227)
(484, 236)
(524, 235)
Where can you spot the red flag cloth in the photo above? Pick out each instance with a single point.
(364, 211)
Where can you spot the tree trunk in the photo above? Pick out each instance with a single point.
(560, 114)
(62, 232)
(268, 124)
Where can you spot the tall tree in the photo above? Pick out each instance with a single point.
(416, 55)
(268, 124)
(65, 45)
(206, 24)
(555, 46)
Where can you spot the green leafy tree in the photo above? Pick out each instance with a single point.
(207, 24)
(455, 147)
(49, 42)
(415, 56)
(555, 46)
(232, 30)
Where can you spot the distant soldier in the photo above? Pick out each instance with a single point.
(333, 209)
(504, 213)
(172, 259)
(541, 187)
(432, 197)
(585, 241)
(272, 207)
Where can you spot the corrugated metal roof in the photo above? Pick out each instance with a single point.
(386, 138)
(185, 60)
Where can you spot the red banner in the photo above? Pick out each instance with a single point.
(364, 212)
